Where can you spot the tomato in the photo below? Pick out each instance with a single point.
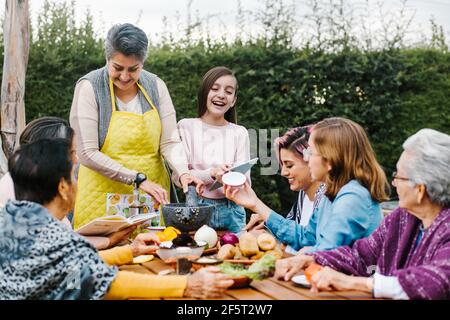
(312, 270)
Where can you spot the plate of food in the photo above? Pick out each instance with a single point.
(240, 282)
(238, 273)
(208, 261)
(247, 248)
(240, 261)
(205, 262)
(183, 246)
(243, 275)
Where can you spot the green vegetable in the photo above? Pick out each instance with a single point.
(261, 269)
(233, 269)
(154, 222)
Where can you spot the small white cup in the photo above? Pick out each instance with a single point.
(234, 179)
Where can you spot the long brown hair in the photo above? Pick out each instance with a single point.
(344, 145)
(208, 81)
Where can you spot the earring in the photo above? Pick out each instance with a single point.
(420, 196)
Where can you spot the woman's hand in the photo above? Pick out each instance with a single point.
(287, 268)
(244, 196)
(186, 179)
(256, 222)
(218, 173)
(328, 279)
(156, 191)
(207, 283)
(303, 250)
(144, 243)
(119, 236)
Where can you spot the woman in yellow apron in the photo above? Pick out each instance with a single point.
(125, 124)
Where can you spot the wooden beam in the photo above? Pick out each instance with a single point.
(16, 33)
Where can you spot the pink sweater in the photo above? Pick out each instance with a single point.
(209, 146)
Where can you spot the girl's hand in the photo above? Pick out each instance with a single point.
(156, 191)
(244, 196)
(218, 173)
(256, 222)
(144, 243)
(286, 268)
(328, 279)
(186, 179)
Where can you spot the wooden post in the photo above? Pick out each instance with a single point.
(16, 33)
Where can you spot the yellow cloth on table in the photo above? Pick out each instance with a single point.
(133, 141)
(135, 285)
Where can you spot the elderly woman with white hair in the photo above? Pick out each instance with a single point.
(410, 250)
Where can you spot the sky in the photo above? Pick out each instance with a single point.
(220, 15)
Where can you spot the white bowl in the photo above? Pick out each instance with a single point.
(234, 179)
(166, 244)
(301, 281)
(191, 253)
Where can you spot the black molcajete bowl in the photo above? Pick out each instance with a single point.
(189, 216)
(186, 218)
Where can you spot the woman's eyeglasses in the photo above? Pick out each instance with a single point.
(396, 177)
(307, 154)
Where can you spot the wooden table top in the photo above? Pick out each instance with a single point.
(269, 289)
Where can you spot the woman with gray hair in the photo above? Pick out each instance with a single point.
(410, 250)
(125, 124)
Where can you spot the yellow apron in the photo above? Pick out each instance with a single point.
(133, 141)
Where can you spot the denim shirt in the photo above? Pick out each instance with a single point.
(351, 216)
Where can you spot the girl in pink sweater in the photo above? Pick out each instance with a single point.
(214, 143)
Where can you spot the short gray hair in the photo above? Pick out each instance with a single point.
(430, 163)
(128, 40)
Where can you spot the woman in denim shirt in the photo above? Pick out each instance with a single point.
(339, 155)
(290, 148)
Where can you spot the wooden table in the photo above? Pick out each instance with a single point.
(269, 289)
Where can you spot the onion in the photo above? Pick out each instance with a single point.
(229, 238)
(207, 234)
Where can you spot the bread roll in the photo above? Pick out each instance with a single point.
(266, 242)
(276, 253)
(248, 244)
(227, 251)
(257, 256)
(238, 255)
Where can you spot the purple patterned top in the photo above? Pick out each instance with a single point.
(423, 270)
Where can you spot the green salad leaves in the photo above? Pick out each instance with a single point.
(261, 269)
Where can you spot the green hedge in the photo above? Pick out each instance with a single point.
(392, 93)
